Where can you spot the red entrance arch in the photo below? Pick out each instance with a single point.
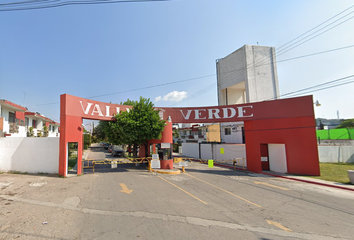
(286, 121)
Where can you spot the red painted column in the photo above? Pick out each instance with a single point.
(62, 141)
(70, 131)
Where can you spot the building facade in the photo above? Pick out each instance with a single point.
(247, 75)
(17, 121)
(12, 119)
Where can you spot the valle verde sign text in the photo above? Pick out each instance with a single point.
(90, 109)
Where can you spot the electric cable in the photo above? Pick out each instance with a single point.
(33, 5)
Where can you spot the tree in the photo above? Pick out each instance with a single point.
(176, 134)
(347, 124)
(136, 126)
(99, 132)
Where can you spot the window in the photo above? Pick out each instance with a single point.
(11, 117)
(12, 125)
(27, 122)
(34, 124)
(227, 131)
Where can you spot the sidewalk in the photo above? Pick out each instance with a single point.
(321, 182)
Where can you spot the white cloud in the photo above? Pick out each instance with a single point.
(174, 96)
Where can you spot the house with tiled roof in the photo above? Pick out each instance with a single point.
(12, 119)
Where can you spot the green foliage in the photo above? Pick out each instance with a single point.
(99, 132)
(175, 147)
(347, 124)
(175, 133)
(30, 132)
(72, 163)
(45, 131)
(87, 139)
(128, 102)
(137, 126)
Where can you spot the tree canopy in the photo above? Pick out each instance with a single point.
(347, 124)
(136, 126)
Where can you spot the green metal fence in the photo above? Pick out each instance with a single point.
(341, 133)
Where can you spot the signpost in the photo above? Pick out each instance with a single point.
(166, 145)
(183, 164)
(155, 164)
(210, 163)
(114, 164)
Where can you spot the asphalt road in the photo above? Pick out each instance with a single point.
(203, 203)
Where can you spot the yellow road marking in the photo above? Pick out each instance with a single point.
(183, 190)
(125, 189)
(270, 185)
(225, 191)
(278, 225)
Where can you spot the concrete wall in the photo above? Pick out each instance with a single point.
(262, 76)
(213, 134)
(336, 142)
(213, 151)
(247, 75)
(343, 154)
(190, 150)
(236, 132)
(5, 115)
(32, 155)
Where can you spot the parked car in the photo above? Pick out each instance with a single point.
(106, 145)
(118, 151)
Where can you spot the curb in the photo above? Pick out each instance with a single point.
(307, 181)
(177, 171)
(289, 178)
(166, 171)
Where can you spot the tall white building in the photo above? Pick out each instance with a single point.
(247, 75)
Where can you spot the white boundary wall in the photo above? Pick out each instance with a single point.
(213, 151)
(343, 154)
(32, 155)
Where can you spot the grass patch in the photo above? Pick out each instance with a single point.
(335, 172)
(72, 162)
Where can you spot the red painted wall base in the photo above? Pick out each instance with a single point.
(166, 164)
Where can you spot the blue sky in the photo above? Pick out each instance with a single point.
(111, 49)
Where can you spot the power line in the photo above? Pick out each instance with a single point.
(153, 86)
(324, 88)
(315, 27)
(206, 89)
(313, 54)
(286, 49)
(210, 87)
(332, 83)
(41, 4)
(316, 36)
